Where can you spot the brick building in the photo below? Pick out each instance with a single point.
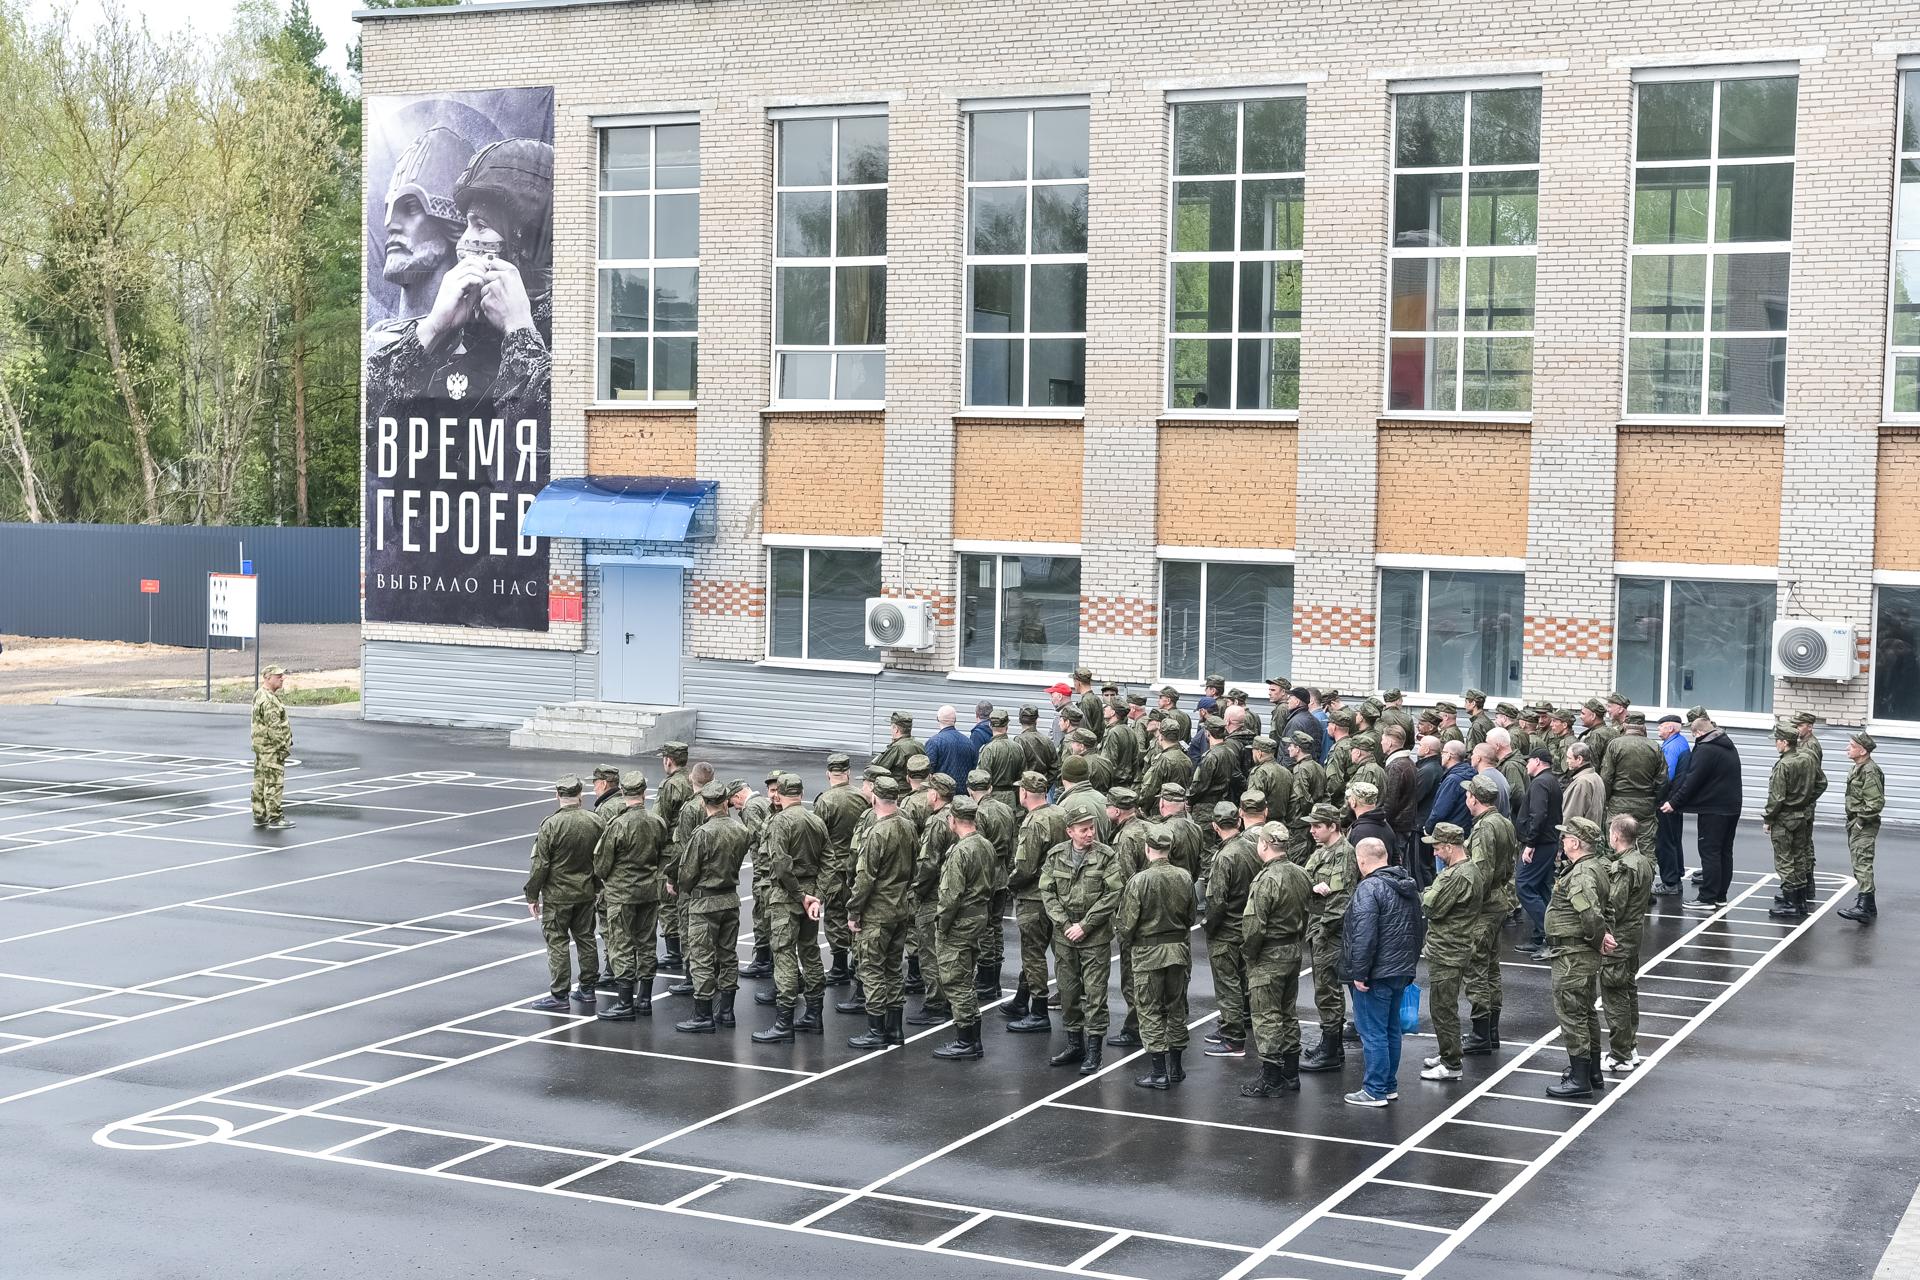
(1550, 350)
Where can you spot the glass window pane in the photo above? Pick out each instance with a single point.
(676, 161)
(1669, 291)
(978, 609)
(1906, 299)
(1400, 628)
(806, 153)
(1896, 654)
(1276, 140)
(1269, 374)
(1059, 297)
(1202, 297)
(1249, 621)
(1675, 119)
(1499, 293)
(842, 582)
(1204, 137)
(862, 224)
(675, 368)
(788, 569)
(1506, 127)
(1670, 206)
(1060, 219)
(1503, 208)
(1750, 291)
(1272, 213)
(1426, 210)
(1906, 384)
(998, 151)
(1663, 374)
(1060, 143)
(804, 307)
(676, 299)
(1747, 376)
(1180, 620)
(1426, 294)
(1474, 632)
(805, 225)
(1641, 623)
(1498, 375)
(805, 375)
(862, 375)
(677, 229)
(1201, 371)
(1910, 115)
(1058, 376)
(623, 227)
(623, 369)
(863, 149)
(997, 299)
(1754, 202)
(997, 220)
(1040, 607)
(1720, 645)
(996, 371)
(860, 306)
(626, 156)
(1428, 129)
(1270, 297)
(623, 300)
(1756, 116)
(1906, 221)
(1202, 217)
(1420, 373)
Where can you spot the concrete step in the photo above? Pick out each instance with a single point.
(604, 728)
(613, 713)
(578, 743)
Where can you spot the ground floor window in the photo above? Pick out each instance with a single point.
(818, 602)
(1020, 612)
(1445, 630)
(1896, 653)
(1235, 620)
(1680, 643)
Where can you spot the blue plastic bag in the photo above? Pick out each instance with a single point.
(1410, 1007)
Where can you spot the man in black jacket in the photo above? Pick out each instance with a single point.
(1539, 846)
(1711, 791)
(1370, 821)
(1379, 951)
(1428, 770)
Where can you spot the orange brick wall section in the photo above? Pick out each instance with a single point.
(1016, 481)
(1427, 469)
(1226, 486)
(824, 474)
(640, 444)
(1896, 531)
(1699, 495)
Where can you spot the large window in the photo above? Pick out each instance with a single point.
(1019, 612)
(819, 603)
(1232, 619)
(1903, 392)
(1027, 258)
(1445, 631)
(830, 260)
(1680, 643)
(1239, 193)
(649, 313)
(1466, 196)
(1896, 654)
(1712, 244)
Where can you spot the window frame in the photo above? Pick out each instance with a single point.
(1907, 71)
(807, 546)
(1882, 580)
(1426, 567)
(1001, 552)
(1205, 563)
(832, 261)
(1667, 575)
(651, 334)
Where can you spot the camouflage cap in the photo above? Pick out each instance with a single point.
(1364, 792)
(1215, 727)
(1391, 695)
(790, 785)
(1805, 718)
(1272, 831)
(1372, 708)
(1585, 830)
(1445, 707)
(1324, 815)
(1123, 798)
(1529, 714)
(1482, 789)
(1083, 672)
(1594, 705)
(1865, 741)
(674, 751)
(942, 783)
(1216, 682)
(1697, 712)
(1618, 699)
(979, 780)
(902, 719)
(1508, 710)
(1137, 699)
(964, 808)
(633, 783)
(1073, 769)
(606, 773)
(1080, 818)
(1262, 742)
(567, 785)
(1342, 717)
(875, 772)
(1110, 690)
(1302, 739)
(1236, 695)
(1168, 691)
(918, 765)
(1429, 719)
(1637, 717)
(1159, 836)
(275, 670)
(774, 775)
(1225, 814)
(1562, 714)
(1085, 737)
(735, 786)
(1474, 695)
(1029, 714)
(1072, 713)
(1253, 801)
(839, 762)
(1175, 792)
(1034, 781)
(1445, 833)
(997, 716)
(1784, 731)
(1155, 716)
(1329, 694)
(714, 792)
(886, 788)
(1546, 707)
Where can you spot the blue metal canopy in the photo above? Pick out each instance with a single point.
(624, 509)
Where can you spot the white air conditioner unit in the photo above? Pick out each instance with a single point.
(899, 624)
(1813, 649)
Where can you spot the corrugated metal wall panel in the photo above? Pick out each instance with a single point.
(466, 685)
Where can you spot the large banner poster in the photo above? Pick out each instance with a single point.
(459, 252)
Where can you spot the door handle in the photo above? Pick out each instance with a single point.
(629, 637)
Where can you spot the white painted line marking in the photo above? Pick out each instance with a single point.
(1514, 1128)
(1428, 1186)
(956, 1232)
(1338, 1262)
(1098, 1251)
(408, 1053)
(1390, 1222)
(1221, 1124)
(448, 1164)
(695, 1194)
(318, 1075)
(1469, 1155)
(288, 915)
(1545, 1102)
(368, 1136)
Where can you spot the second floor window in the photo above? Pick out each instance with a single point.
(830, 260)
(1904, 394)
(649, 257)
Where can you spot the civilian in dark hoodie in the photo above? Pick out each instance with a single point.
(1379, 951)
(1369, 821)
(1711, 790)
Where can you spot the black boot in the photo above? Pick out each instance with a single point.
(761, 965)
(986, 981)
(1069, 1056)
(1493, 1026)
(781, 1032)
(1128, 1036)
(1035, 1019)
(702, 1020)
(1862, 910)
(1175, 1071)
(621, 1010)
(723, 1008)
(674, 960)
(932, 1014)
(1290, 1071)
(769, 996)
(1016, 1007)
(1329, 1055)
(840, 974)
(681, 987)
(1271, 1083)
(807, 1019)
(1791, 909)
(1479, 1041)
(1594, 1073)
(1349, 1034)
(1156, 1077)
(855, 1003)
(643, 1000)
(875, 1036)
(1577, 1082)
(1873, 911)
(1090, 1060)
(915, 984)
(896, 1033)
(966, 1044)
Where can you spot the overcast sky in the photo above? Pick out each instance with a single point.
(207, 17)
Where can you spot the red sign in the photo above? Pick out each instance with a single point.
(564, 609)
(149, 586)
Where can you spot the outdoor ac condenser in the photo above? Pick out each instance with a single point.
(1813, 649)
(899, 624)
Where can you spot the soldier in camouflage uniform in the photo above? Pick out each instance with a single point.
(1447, 723)
(560, 890)
(1188, 841)
(709, 884)
(1172, 716)
(902, 748)
(1866, 796)
(1507, 716)
(1168, 765)
(1079, 889)
(1153, 927)
(1333, 872)
(1633, 772)
(1494, 847)
(839, 807)
(936, 837)
(1309, 789)
(1339, 758)
(1037, 750)
(1478, 721)
(1225, 883)
(1092, 718)
(1579, 935)
(1391, 712)
(1795, 785)
(1273, 933)
(794, 845)
(1271, 779)
(880, 913)
(1557, 738)
(1079, 795)
(1003, 760)
(272, 741)
(627, 864)
(999, 824)
(1454, 904)
(856, 1001)
(1630, 876)
(963, 905)
(754, 811)
(1120, 748)
(1599, 733)
(1044, 827)
(1129, 840)
(685, 823)
(674, 794)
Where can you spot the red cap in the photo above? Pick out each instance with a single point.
(1062, 687)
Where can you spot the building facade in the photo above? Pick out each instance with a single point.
(1548, 351)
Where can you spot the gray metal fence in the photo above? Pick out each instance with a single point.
(83, 581)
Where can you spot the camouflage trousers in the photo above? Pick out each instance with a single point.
(836, 884)
(1620, 996)
(269, 790)
(1084, 971)
(712, 942)
(1576, 981)
(1482, 975)
(959, 952)
(1862, 834)
(630, 954)
(882, 949)
(796, 952)
(1159, 998)
(762, 890)
(1444, 981)
(1647, 841)
(564, 922)
(1273, 989)
(1229, 981)
(1793, 850)
(672, 917)
(926, 945)
(1036, 932)
(1131, 1020)
(1329, 993)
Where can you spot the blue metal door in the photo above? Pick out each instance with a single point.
(640, 637)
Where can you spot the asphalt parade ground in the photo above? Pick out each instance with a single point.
(237, 1053)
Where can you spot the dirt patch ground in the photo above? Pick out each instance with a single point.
(38, 671)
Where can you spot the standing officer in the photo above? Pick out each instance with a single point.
(1599, 734)
(1080, 888)
(936, 837)
(1271, 779)
(1188, 841)
(1003, 759)
(1579, 934)
(1168, 766)
(999, 825)
(1791, 792)
(754, 812)
(839, 808)
(685, 823)
(1119, 747)
(1494, 847)
(794, 845)
(1044, 827)
(1478, 721)
(1309, 789)
(272, 741)
(1037, 750)
(627, 864)
(1634, 770)
(560, 892)
(1866, 797)
(1630, 875)
(1130, 847)
(880, 914)
(1153, 928)
(902, 748)
(1454, 905)
(1271, 934)
(1333, 872)
(709, 885)
(675, 792)
(964, 901)
(1226, 882)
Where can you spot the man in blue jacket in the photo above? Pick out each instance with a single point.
(951, 749)
(1449, 800)
(1379, 951)
(1679, 754)
(982, 730)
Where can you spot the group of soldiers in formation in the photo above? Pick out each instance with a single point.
(1117, 836)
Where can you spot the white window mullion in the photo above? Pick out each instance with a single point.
(1666, 636)
(806, 600)
(997, 611)
(1202, 654)
(1426, 578)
